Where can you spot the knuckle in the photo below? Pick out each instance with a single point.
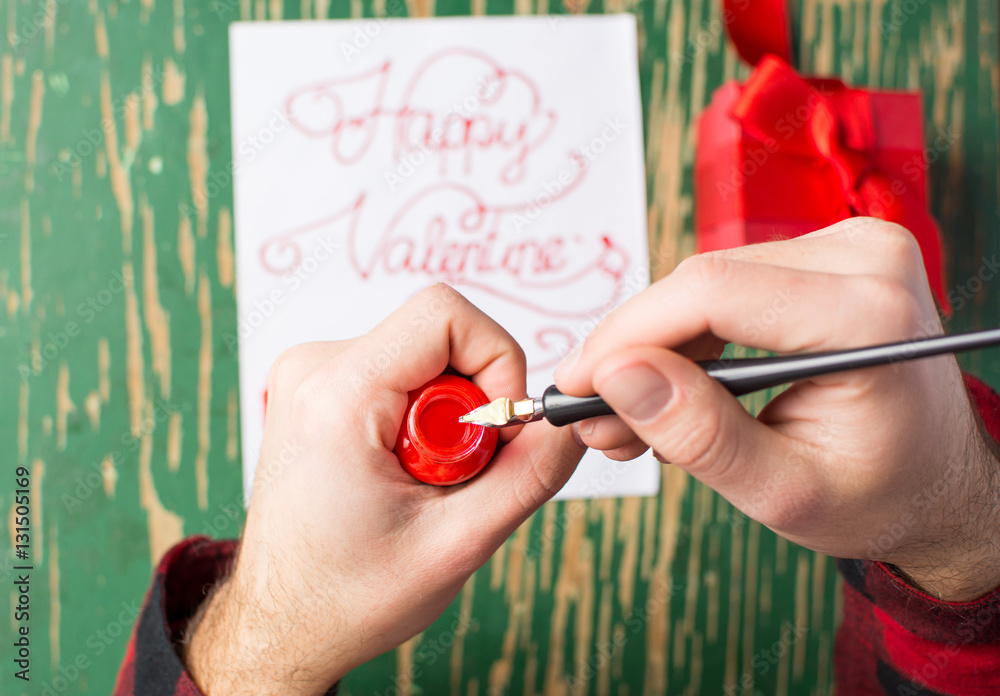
(310, 401)
(441, 293)
(285, 369)
(857, 230)
(887, 241)
(306, 373)
(897, 242)
(893, 243)
(305, 393)
(894, 305)
(515, 353)
(705, 271)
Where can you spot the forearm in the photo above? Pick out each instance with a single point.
(234, 635)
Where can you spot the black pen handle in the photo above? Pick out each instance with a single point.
(561, 409)
(747, 375)
(753, 374)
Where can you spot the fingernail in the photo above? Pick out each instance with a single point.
(639, 392)
(566, 366)
(586, 428)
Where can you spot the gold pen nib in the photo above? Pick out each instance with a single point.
(495, 414)
(503, 412)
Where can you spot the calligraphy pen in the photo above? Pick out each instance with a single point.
(741, 376)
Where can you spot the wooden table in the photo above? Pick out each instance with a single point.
(119, 393)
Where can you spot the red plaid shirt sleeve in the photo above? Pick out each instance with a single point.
(152, 664)
(894, 639)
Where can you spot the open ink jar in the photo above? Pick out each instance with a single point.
(432, 445)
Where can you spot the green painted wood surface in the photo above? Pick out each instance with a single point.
(120, 395)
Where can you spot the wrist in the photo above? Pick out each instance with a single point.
(964, 564)
(958, 582)
(236, 647)
(219, 655)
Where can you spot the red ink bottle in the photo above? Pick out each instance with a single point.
(432, 445)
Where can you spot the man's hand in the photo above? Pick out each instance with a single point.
(887, 463)
(345, 555)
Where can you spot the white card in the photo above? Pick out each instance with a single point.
(375, 157)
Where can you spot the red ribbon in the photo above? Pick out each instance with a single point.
(824, 122)
(758, 27)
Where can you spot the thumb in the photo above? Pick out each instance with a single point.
(690, 420)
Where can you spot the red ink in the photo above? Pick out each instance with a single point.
(432, 446)
(464, 128)
(304, 109)
(438, 421)
(448, 231)
(282, 252)
(556, 341)
(465, 247)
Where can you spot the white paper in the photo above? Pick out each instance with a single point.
(375, 157)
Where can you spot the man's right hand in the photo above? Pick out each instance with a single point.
(886, 463)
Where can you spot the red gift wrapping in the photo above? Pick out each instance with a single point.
(783, 155)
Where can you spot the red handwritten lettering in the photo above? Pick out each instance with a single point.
(422, 122)
(448, 231)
